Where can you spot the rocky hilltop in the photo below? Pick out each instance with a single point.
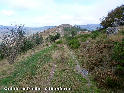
(58, 29)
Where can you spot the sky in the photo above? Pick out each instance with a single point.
(36, 13)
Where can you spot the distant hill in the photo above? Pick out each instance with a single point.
(33, 30)
(28, 30)
(90, 27)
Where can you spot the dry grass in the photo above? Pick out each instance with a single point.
(61, 55)
(117, 37)
(6, 69)
(96, 56)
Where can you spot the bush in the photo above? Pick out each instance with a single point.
(95, 34)
(112, 83)
(118, 56)
(122, 32)
(116, 13)
(57, 36)
(37, 38)
(12, 41)
(53, 38)
(59, 42)
(118, 52)
(74, 43)
(71, 31)
(1, 55)
(28, 44)
(85, 37)
(119, 71)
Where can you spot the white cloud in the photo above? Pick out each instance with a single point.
(27, 4)
(7, 12)
(48, 12)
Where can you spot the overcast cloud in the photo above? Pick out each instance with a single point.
(55, 12)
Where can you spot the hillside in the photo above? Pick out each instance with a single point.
(80, 64)
(54, 66)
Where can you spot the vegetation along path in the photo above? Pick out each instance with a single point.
(52, 67)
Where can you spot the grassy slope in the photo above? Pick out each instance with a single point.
(43, 69)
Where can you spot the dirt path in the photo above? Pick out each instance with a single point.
(51, 73)
(78, 68)
(50, 77)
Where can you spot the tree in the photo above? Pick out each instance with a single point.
(74, 31)
(57, 36)
(12, 41)
(114, 15)
(27, 44)
(38, 39)
(70, 31)
(53, 38)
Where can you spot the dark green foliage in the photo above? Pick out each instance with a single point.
(122, 32)
(95, 34)
(57, 36)
(28, 44)
(118, 56)
(118, 50)
(73, 32)
(38, 39)
(59, 42)
(53, 38)
(84, 37)
(116, 13)
(119, 71)
(74, 43)
(1, 55)
(70, 31)
(112, 83)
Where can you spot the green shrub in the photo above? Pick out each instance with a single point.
(53, 38)
(118, 56)
(112, 83)
(95, 34)
(59, 42)
(74, 43)
(118, 52)
(71, 31)
(57, 36)
(1, 55)
(37, 39)
(119, 70)
(84, 37)
(122, 32)
(28, 44)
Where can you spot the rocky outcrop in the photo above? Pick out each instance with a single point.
(59, 29)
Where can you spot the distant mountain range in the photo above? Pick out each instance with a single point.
(32, 30)
(28, 30)
(90, 27)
